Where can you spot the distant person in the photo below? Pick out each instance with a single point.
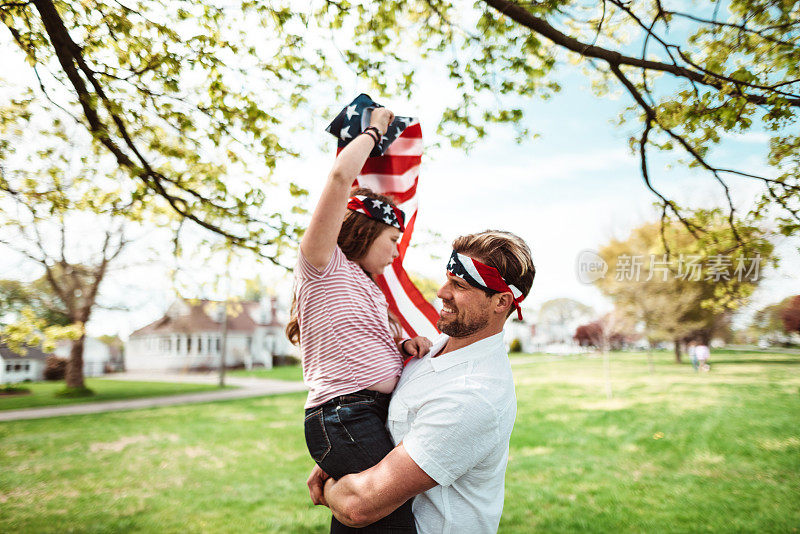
(352, 357)
(692, 349)
(703, 354)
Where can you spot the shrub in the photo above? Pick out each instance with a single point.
(515, 346)
(55, 368)
(279, 361)
(9, 389)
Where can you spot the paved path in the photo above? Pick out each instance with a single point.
(246, 387)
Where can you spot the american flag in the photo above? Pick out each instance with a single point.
(395, 174)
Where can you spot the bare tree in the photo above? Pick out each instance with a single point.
(57, 216)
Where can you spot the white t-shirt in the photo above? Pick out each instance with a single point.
(454, 414)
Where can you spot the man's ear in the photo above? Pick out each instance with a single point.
(504, 303)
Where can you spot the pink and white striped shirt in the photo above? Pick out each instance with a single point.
(345, 340)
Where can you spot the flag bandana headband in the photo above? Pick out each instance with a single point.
(482, 276)
(378, 210)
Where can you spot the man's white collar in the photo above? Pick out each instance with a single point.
(479, 349)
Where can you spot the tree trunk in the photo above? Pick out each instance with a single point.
(74, 372)
(678, 351)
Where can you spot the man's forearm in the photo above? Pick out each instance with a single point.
(360, 499)
(349, 498)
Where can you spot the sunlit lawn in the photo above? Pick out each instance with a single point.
(672, 451)
(284, 372)
(43, 393)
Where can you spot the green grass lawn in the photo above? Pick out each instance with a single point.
(284, 372)
(671, 451)
(43, 393)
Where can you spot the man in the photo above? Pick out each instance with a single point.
(452, 412)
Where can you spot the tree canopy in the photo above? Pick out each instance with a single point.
(693, 289)
(767, 321)
(37, 296)
(790, 315)
(189, 98)
(186, 98)
(612, 331)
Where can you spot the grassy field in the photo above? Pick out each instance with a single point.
(284, 372)
(671, 451)
(43, 393)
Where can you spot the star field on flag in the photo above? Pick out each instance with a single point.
(354, 119)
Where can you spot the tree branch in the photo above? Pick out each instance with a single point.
(8, 5)
(741, 27)
(543, 28)
(652, 118)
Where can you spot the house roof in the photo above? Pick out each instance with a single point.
(32, 353)
(198, 320)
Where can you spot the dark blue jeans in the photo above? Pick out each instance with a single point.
(347, 435)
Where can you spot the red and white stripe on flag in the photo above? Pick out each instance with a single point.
(396, 174)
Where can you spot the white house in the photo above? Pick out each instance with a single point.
(18, 368)
(189, 336)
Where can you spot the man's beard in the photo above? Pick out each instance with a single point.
(459, 327)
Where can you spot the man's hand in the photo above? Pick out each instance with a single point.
(316, 483)
(417, 347)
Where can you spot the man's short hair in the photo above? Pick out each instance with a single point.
(504, 251)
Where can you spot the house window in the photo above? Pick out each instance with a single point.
(9, 367)
(27, 367)
(166, 344)
(219, 345)
(18, 367)
(189, 344)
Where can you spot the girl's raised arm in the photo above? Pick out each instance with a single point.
(319, 241)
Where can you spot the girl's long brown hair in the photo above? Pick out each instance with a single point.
(357, 234)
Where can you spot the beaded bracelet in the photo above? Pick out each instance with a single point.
(370, 130)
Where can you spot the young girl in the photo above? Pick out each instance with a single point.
(351, 359)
